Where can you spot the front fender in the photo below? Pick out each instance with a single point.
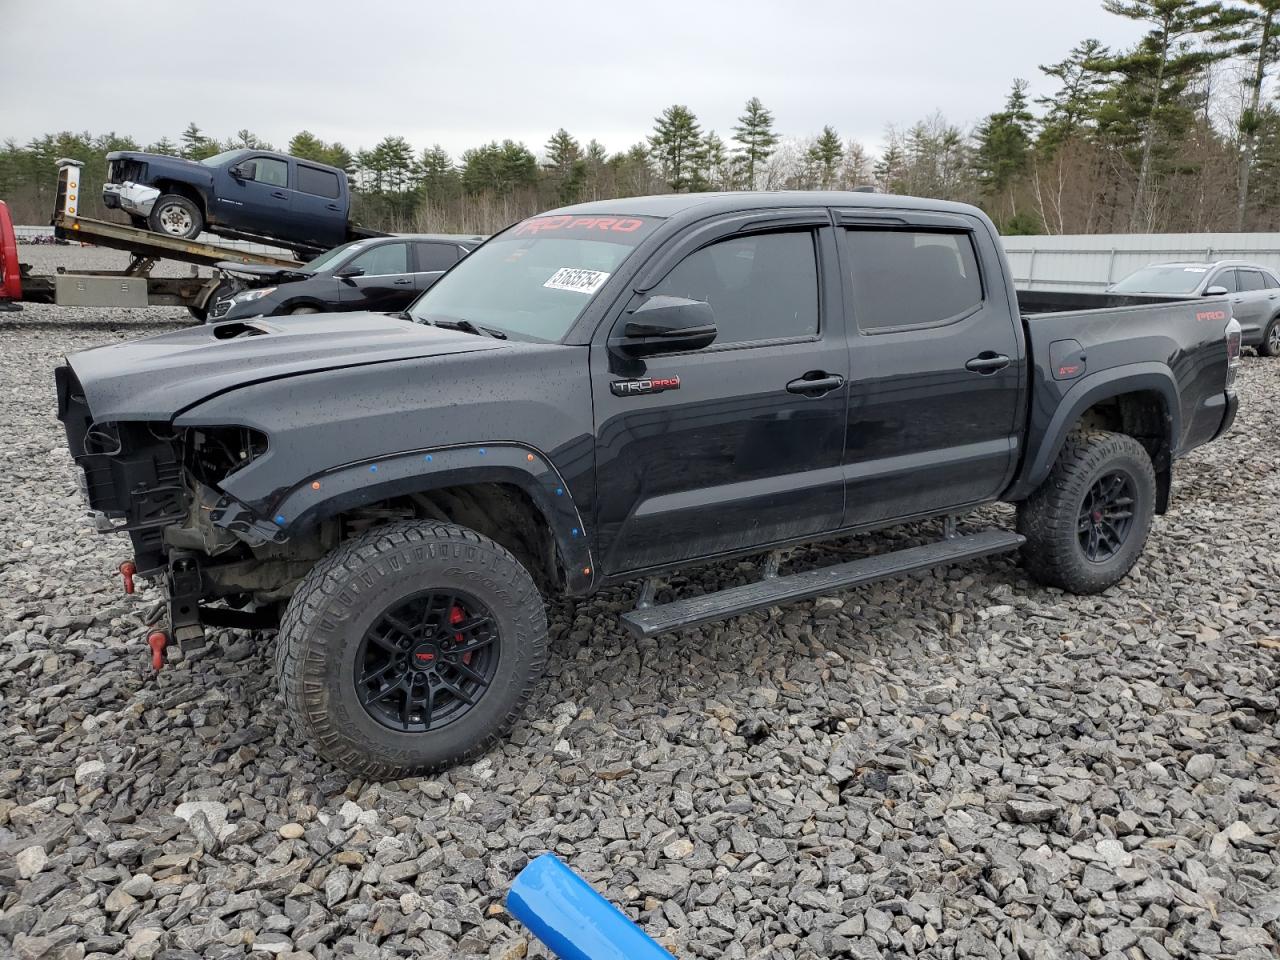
(1042, 451)
(318, 497)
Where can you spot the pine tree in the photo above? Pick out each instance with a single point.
(1003, 148)
(674, 142)
(1082, 83)
(713, 160)
(825, 156)
(307, 146)
(165, 147)
(1150, 104)
(437, 177)
(195, 145)
(889, 169)
(1257, 32)
(565, 165)
(757, 138)
(247, 139)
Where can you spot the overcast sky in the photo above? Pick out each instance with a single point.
(461, 74)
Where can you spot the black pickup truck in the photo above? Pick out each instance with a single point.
(611, 392)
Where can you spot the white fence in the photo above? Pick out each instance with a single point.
(1090, 262)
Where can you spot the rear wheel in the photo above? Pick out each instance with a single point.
(176, 216)
(1087, 523)
(1270, 345)
(411, 648)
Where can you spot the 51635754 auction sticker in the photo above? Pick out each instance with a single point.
(576, 280)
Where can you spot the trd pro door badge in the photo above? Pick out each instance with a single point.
(646, 385)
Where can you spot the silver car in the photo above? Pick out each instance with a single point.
(1254, 293)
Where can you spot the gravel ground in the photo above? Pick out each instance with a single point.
(961, 764)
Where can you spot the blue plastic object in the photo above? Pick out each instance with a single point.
(574, 921)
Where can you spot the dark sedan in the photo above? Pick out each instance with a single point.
(383, 274)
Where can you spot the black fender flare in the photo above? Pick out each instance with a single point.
(1145, 377)
(301, 507)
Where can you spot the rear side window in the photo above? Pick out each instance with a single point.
(1250, 280)
(385, 259)
(436, 256)
(761, 287)
(909, 278)
(1270, 280)
(318, 183)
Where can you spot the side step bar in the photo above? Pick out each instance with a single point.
(648, 621)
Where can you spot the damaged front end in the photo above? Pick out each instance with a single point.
(160, 484)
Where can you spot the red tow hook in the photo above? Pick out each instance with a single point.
(157, 640)
(127, 570)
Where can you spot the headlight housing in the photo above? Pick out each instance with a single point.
(248, 296)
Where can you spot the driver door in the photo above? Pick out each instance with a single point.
(742, 446)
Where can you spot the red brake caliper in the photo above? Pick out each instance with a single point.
(456, 616)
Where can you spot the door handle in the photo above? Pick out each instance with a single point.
(815, 385)
(280, 193)
(987, 362)
(402, 282)
(332, 206)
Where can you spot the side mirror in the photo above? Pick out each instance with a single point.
(350, 273)
(1215, 291)
(667, 325)
(244, 171)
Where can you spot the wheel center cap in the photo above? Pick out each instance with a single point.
(425, 654)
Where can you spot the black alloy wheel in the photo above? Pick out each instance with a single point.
(1106, 516)
(426, 661)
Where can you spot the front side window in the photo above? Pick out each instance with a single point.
(911, 277)
(760, 287)
(533, 281)
(271, 170)
(1226, 279)
(317, 182)
(382, 260)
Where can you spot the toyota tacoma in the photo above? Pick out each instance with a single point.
(611, 392)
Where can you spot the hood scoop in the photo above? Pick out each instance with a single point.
(238, 330)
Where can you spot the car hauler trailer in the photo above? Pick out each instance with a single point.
(134, 286)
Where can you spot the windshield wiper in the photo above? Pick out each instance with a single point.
(466, 326)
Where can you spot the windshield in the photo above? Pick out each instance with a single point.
(327, 260)
(1177, 279)
(534, 280)
(218, 159)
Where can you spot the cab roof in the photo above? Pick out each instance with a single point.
(710, 204)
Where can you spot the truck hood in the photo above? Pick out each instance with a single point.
(158, 377)
(154, 158)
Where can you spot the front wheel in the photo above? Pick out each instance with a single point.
(411, 648)
(1087, 523)
(176, 216)
(1270, 345)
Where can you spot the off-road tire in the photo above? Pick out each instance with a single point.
(168, 202)
(1049, 518)
(336, 602)
(1270, 345)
